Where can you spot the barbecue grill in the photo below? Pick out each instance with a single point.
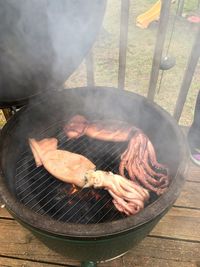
(84, 224)
(81, 224)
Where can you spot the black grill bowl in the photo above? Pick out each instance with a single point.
(92, 241)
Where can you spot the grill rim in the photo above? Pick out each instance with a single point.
(91, 231)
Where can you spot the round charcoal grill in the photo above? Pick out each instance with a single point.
(83, 224)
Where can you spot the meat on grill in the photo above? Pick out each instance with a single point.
(69, 167)
(128, 197)
(139, 159)
(64, 165)
(109, 130)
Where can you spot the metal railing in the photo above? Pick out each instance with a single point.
(157, 56)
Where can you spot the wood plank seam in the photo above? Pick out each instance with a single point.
(36, 261)
(185, 207)
(174, 238)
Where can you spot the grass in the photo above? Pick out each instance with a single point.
(139, 56)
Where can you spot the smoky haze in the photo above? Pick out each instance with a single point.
(43, 41)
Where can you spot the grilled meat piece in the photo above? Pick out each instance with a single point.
(128, 197)
(109, 130)
(139, 159)
(64, 165)
(47, 144)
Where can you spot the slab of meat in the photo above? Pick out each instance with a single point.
(64, 165)
(69, 167)
(109, 130)
(47, 144)
(139, 159)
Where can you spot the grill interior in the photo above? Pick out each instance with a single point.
(44, 194)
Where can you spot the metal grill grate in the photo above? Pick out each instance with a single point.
(44, 194)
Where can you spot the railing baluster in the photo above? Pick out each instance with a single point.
(181, 7)
(89, 61)
(187, 79)
(123, 42)
(162, 29)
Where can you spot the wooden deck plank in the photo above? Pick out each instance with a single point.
(167, 249)
(10, 262)
(179, 223)
(17, 242)
(4, 213)
(137, 261)
(152, 262)
(193, 173)
(190, 196)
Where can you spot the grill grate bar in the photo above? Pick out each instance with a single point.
(49, 201)
(38, 185)
(112, 161)
(58, 203)
(25, 170)
(98, 160)
(101, 207)
(46, 195)
(32, 191)
(72, 207)
(78, 144)
(30, 178)
(23, 158)
(106, 213)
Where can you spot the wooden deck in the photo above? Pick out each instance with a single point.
(175, 241)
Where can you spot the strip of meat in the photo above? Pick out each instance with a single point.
(115, 131)
(110, 130)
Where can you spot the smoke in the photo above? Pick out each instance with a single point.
(25, 63)
(43, 42)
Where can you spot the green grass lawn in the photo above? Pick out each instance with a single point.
(141, 44)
